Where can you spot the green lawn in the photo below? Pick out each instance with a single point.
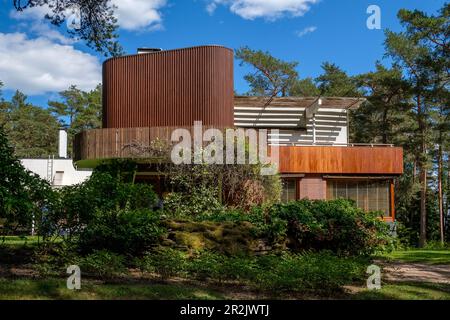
(407, 291)
(420, 255)
(17, 241)
(50, 289)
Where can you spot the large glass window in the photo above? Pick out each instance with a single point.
(368, 195)
(289, 192)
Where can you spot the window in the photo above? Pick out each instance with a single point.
(368, 195)
(289, 192)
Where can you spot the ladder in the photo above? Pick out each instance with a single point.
(50, 169)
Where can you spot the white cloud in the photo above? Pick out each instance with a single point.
(269, 9)
(37, 66)
(34, 22)
(139, 14)
(131, 14)
(305, 31)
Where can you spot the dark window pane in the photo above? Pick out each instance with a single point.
(289, 191)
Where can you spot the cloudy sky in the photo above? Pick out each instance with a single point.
(41, 60)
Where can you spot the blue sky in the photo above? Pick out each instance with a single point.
(40, 60)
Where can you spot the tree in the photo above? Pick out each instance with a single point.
(33, 131)
(23, 195)
(384, 116)
(273, 77)
(97, 26)
(423, 51)
(304, 88)
(3, 107)
(78, 110)
(334, 82)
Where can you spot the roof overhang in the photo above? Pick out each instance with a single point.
(286, 112)
(299, 102)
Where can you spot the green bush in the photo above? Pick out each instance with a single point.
(206, 265)
(337, 225)
(322, 271)
(125, 231)
(166, 262)
(199, 201)
(103, 192)
(103, 264)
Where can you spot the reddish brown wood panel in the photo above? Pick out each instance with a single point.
(109, 143)
(169, 88)
(341, 160)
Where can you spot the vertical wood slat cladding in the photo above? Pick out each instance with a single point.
(98, 144)
(109, 143)
(169, 88)
(341, 160)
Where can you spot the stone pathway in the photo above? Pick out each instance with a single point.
(415, 272)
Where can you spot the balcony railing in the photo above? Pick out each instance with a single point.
(353, 158)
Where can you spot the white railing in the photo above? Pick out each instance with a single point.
(324, 144)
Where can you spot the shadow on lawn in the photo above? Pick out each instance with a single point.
(407, 291)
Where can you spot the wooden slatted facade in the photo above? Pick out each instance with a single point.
(341, 160)
(169, 88)
(147, 96)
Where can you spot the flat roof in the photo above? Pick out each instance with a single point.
(299, 102)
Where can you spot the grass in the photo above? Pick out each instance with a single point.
(420, 256)
(55, 289)
(407, 291)
(18, 241)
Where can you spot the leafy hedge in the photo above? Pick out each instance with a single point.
(125, 231)
(322, 271)
(337, 225)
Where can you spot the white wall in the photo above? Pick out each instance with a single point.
(62, 173)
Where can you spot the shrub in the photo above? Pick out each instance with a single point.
(103, 264)
(207, 265)
(124, 231)
(103, 192)
(309, 271)
(336, 225)
(199, 201)
(166, 262)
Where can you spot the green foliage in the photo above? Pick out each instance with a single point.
(207, 265)
(103, 192)
(103, 264)
(321, 272)
(23, 195)
(166, 262)
(336, 225)
(78, 110)
(273, 76)
(32, 130)
(124, 231)
(304, 88)
(334, 82)
(201, 200)
(98, 24)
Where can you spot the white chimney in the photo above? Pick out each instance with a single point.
(62, 145)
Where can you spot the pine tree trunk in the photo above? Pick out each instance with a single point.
(440, 197)
(423, 178)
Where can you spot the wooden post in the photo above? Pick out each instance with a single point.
(392, 192)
